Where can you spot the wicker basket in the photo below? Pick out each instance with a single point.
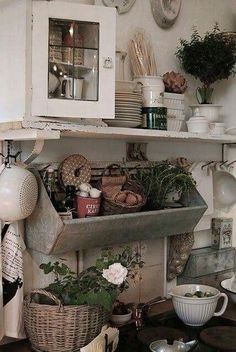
(109, 206)
(58, 328)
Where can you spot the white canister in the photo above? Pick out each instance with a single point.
(217, 128)
(152, 96)
(149, 81)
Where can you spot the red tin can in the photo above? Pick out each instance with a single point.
(87, 206)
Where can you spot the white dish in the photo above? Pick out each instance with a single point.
(224, 185)
(126, 119)
(119, 123)
(129, 100)
(196, 311)
(128, 113)
(127, 86)
(231, 131)
(124, 103)
(229, 285)
(121, 6)
(129, 116)
(125, 93)
(165, 13)
(128, 108)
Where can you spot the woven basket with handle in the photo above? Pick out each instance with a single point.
(114, 183)
(58, 328)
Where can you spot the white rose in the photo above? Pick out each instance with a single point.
(116, 273)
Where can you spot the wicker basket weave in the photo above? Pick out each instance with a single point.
(58, 328)
(109, 206)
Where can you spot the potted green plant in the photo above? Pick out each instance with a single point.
(70, 312)
(164, 183)
(209, 58)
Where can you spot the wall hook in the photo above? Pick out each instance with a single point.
(224, 162)
(232, 163)
(210, 162)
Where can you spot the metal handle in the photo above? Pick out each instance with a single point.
(222, 310)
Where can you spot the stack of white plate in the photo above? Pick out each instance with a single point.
(128, 107)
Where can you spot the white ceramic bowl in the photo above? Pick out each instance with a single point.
(210, 111)
(196, 311)
(120, 319)
(229, 285)
(224, 186)
(174, 124)
(174, 101)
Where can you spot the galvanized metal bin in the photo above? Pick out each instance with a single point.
(47, 233)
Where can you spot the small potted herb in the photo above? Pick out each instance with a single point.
(165, 183)
(209, 58)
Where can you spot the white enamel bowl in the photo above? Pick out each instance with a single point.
(229, 285)
(224, 184)
(196, 311)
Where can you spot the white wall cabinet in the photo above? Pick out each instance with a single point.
(57, 60)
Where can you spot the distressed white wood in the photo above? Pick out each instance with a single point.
(28, 135)
(14, 29)
(145, 135)
(99, 131)
(41, 105)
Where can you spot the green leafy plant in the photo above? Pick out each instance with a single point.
(162, 178)
(100, 284)
(209, 58)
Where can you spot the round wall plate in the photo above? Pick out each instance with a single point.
(165, 12)
(122, 6)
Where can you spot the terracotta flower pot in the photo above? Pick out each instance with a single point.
(87, 206)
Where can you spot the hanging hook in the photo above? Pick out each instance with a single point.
(210, 162)
(224, 162)
(232, 163)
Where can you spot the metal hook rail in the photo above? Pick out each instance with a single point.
(9, 155)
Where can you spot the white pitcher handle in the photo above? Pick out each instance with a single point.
(217, 314)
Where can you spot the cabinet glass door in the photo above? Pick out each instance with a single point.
(73, 56)
(73, 60)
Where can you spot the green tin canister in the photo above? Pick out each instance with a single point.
(154, 118)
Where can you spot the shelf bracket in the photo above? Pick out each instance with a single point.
(38, 147)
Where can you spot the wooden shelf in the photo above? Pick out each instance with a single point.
(47, 233)
(136, 134)
(28, 134)
(32, 130)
